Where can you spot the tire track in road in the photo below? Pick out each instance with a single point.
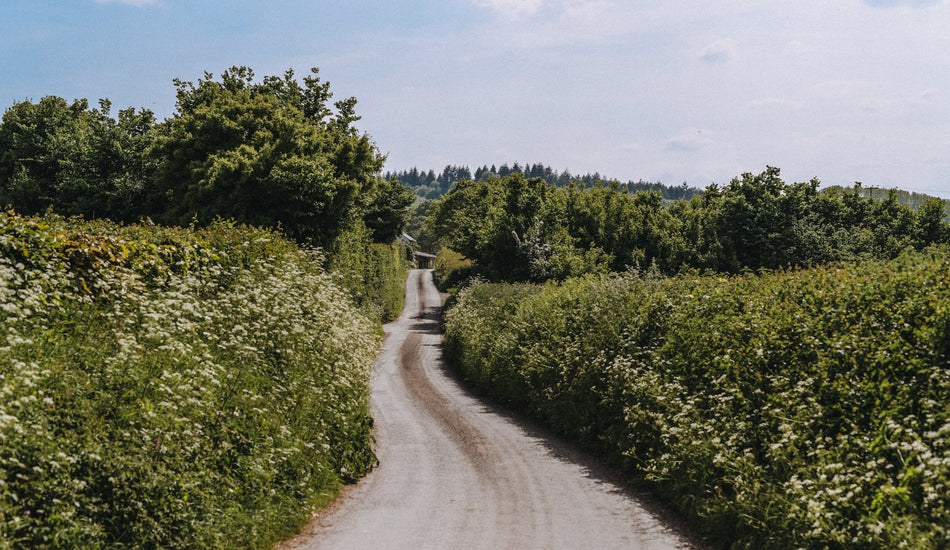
(457, 473)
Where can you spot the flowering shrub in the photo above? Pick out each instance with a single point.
(167, 388)
(798, 409)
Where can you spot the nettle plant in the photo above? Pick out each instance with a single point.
(167, 388)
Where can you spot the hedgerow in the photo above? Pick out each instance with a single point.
(170, 388)
(373, 273)
(451, 269)
(793, 409)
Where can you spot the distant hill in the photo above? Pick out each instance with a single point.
(429, 185)
(909, 198)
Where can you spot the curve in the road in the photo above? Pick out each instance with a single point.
(455, 473)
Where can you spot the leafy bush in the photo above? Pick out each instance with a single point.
(520, 230)
(385, 278)
(164, 388)
(797, 409)
(373, 273)
(451, 269)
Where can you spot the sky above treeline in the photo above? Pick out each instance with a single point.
(674, 91)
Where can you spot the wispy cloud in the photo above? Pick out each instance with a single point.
(689, 140)
(594, 11)
(511, 9)
(719, 51)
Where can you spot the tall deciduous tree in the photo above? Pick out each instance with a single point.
(514, 228)
(388, 214)
(76, 160)
(269, 153)
(518, 228)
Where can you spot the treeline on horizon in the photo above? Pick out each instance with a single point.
(910, 198)
(278, 152)
(428, 185)
(525, 229)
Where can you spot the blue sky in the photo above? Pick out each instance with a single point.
(680, 90)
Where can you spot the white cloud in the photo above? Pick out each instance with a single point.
(898, 105)
(797, 48)
(591, 11)
(720, 51)
(689, 140)
(511, 9)
(774, 104)
(841, 89)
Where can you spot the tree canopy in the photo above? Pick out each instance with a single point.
(279, 152)
(76, 160)
(274, 152)
(269, 153)
(520, 229)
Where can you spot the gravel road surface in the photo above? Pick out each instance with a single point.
(457, 473)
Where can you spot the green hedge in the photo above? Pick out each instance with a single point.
(385, 281)
(451, 270)
(374, 273)
(166, 388)
(800, 409)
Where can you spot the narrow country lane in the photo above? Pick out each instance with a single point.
(455, 473)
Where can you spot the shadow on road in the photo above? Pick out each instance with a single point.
(429, 322)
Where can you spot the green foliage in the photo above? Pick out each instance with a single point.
(518, 229)
(165, 388)
(266, 154)
(64, 156)
(760, 222)
(373, 273)
(915, 201)
(451, 270)
(796, 409)
(428, 185)
(512, 228)
(385, 278)
(416, 227)
(627, 230)
(388, 214)
(272, 153)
